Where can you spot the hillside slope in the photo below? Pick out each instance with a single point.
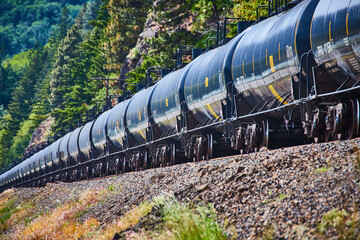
(23, 24)
(300, 192)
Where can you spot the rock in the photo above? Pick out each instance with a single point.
(202, 187)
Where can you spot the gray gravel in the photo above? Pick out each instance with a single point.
(284, 188)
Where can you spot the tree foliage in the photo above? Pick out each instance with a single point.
(25, 23)
(70, 42)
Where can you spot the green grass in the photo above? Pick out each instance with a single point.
(322, 170)
(7, 210)
(185, 221)
(346, 225)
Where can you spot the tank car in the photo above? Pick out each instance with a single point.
(294, 75)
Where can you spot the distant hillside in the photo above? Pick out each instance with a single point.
(25, 23)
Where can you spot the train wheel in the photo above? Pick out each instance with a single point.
(265, 134)
(353, 118)
(328, 136)
(146, 160)
(123, 165)
(210, 146)
(172, 154)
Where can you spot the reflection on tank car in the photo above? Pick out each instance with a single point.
(294, 75)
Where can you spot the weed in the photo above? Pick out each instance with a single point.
(128, 220)
(346, 225)
(111, 188)
(269, 233)
(184, 221)
(82, 213)
(7, 210)
(357, 159)
(61, 223)
(322, 170)
(281, 197)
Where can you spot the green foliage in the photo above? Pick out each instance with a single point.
(346, 225)
(209, 11)
(269, 233)
(79, 58)
(18, 62)
(126, 22)
(6, 210)
(186, 221)
(247, 8)
(23, 24)
(21, 140)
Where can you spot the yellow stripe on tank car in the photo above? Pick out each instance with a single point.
(167, 102)
(142, 135)
(253, 62)
(139, 115)
(279, 53)
(272, 89)
(330, 31)
(267, 64)
(243, 67)
(347, 23)
(311, 24)
(213, 113)
(297, 25)
(206, 82)
(271, 60)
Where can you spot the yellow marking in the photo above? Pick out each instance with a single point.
(243, 67)
(167, 102)
(312, 20)
(142, 135)
(347, 24)
(139, 115)
(267, 64)
(206, 82)
(119, 140)
(272, 89)
(297, 25)
(117, 125)
(213, 113)
(271, 60)
(330, 31)
(279, 53)
(253, 62)
(99, 131)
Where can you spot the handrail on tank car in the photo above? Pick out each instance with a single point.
(221, 30)
(307, 54)
(260, 7)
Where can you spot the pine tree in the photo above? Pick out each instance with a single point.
(61, 80)
(22, 100)
(126, 23)
(7, 84)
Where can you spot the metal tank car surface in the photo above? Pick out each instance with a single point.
(289, 78)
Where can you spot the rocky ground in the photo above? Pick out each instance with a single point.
(310, 191)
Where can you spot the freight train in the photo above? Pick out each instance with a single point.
(294, 74)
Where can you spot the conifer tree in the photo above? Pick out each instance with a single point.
(61, 80)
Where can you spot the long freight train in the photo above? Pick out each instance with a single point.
(296, 73)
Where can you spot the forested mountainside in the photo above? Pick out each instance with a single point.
(118, 39)
(23, 24)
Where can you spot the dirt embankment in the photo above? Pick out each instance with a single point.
(306, 191)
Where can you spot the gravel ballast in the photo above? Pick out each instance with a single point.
(286, 189)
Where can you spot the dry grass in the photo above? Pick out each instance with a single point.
(128, 220)
(5, 196)
(347, 226)
(62, 222)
